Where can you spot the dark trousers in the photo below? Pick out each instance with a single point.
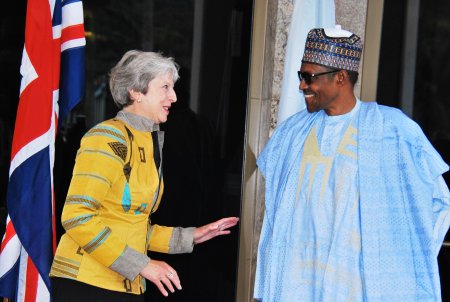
(66, 290)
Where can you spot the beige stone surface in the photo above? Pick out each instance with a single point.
(284, 14)
(351, 15)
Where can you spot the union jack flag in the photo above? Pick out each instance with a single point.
(52, 84)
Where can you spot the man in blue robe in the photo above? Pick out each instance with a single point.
(356, 205)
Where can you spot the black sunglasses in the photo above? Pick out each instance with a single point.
(309, 76)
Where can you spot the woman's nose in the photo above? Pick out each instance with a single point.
(173, 96)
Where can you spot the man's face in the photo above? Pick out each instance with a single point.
(322, 92)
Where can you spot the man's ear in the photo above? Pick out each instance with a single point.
(342, 74)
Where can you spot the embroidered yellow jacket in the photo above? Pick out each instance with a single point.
(116, 185)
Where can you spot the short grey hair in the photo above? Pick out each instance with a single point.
(135, 70)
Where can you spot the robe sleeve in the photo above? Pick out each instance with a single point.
(441, 212)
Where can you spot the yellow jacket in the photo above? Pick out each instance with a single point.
(107, 209)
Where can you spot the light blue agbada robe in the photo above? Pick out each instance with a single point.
(334, 248)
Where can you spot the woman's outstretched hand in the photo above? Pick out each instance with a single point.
(162, 275)
(217, 228)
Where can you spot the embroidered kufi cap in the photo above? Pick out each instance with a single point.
(333, 47)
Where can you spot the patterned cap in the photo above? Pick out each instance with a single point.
(336, 48)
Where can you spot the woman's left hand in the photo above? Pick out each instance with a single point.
(209, 231)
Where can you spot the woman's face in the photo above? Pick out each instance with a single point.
(155, 104)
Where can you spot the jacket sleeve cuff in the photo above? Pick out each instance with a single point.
(130, 263)
(182, 240)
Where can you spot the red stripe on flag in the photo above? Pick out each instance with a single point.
(30, 121)
(72, 32)
(10, 233)
(32, 282)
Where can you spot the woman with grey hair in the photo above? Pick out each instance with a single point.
(116, 185)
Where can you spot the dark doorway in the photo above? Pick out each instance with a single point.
(204, 135)
(431, 102)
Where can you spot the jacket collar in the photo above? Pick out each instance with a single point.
(137, 122)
